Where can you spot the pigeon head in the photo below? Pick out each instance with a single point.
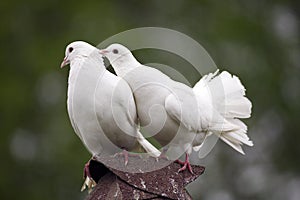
(78, 49)
(117, 53)
(120, 58)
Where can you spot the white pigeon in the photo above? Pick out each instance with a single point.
(181, 115)
(101, 106)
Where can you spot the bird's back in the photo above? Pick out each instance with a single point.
(151, 88)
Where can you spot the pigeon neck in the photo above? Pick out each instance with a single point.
(89, 61)
(123, 66)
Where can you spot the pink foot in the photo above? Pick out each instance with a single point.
(126, 155)
(89, 181)
(186, 164)
(86, 170)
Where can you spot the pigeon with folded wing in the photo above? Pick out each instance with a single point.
(101, 106)
(183, 116)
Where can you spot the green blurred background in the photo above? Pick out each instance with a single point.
(42, 158)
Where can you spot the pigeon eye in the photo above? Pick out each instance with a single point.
(71, 49)
(115, 51)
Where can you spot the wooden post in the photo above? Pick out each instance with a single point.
(164, 183)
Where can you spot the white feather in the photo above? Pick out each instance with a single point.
(101, 105)
(147, 145)
(221, 101)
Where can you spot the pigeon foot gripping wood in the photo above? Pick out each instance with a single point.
(89, 182)
(126, 155)
(186, 164)
(213, 107)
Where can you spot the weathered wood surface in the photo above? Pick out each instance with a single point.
(120, 183)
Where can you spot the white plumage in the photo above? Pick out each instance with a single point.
(212, 107)
(224, 95)
(100, 105)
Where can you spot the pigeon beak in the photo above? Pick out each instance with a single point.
(64, 62)
(103, 52)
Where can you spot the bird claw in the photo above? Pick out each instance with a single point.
(88, 182)
(126, 155)
(186, 164)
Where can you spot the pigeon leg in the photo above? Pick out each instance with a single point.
(86, 170)
(126, 155)
(89, 181)
(186, 164)
(162, 155)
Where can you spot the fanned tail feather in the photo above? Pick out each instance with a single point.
(225, 95)
(236, 138)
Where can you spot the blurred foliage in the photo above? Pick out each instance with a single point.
(42, 158)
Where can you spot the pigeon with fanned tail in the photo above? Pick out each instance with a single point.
(190, 118)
